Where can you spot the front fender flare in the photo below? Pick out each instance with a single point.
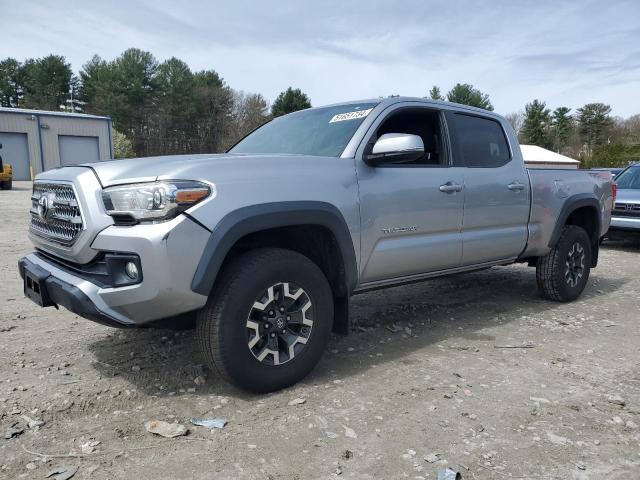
(255, 218)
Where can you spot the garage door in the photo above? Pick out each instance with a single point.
(16, 152)
(75, 150)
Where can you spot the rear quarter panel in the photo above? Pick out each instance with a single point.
(551, 190)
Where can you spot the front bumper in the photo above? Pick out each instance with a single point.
(625, 223)
(169, 253)
(59, 292)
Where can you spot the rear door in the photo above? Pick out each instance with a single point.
(497, 190)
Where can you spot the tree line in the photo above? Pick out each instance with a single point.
(157, 108)
(161, 108)
(591, 134)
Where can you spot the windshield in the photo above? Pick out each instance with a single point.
(316, 131)
(629, 179)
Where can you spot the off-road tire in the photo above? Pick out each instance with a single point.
(221, 328)
(551, 270)
(8, 185)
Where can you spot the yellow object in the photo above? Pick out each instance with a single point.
(6, 173)
(5, 177)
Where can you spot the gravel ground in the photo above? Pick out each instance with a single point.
(420, 384)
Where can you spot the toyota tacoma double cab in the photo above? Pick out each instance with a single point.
(267, 243)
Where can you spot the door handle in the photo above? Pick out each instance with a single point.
(515, 186)
(450, 187)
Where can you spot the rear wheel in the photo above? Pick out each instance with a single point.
(563, 273)
(268, 320)
(8, 185)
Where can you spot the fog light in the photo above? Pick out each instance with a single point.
(132, 270)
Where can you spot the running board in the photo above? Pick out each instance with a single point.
(392, 282)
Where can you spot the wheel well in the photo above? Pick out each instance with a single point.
(315, 242)
(587, 218)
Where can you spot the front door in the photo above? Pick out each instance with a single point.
(497, 190)
(411, 214)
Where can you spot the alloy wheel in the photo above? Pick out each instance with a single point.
(279, 324)
(574, 264)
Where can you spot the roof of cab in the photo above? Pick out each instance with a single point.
(386, 101)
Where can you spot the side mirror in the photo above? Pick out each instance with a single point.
(395, 148)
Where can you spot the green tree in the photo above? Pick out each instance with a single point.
(175, 107)
(435, 94)
(123, 89)
(466, 94)
(594, 124)
(535, 127)
(562, 127)
(135, 81)
(291, 100)
(47, 82)
(100, 89)
(209, 78)
(11, 83)
(614, 155)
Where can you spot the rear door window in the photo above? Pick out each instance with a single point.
(481, 141)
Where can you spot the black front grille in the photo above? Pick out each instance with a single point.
(626, 210)
(106, 270)
(62, 221)
(96, 269)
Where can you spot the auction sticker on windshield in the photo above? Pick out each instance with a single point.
(341, 117)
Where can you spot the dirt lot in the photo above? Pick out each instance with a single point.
(421, 376)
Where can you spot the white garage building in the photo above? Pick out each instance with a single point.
(35, 140)
(538, 157)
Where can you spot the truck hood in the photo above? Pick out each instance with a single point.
(628, 196)
(182, 167)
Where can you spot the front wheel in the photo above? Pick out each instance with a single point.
(562, 274)
(268, 320)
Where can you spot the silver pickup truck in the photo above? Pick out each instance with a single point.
(267, 242)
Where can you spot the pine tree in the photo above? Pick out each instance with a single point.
(291, 100)
(562, 126)
(466, 94)
(535, 128)
(435, 94)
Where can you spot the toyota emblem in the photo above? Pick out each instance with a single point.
(45, 206)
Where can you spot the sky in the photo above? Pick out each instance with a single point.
(566, 53)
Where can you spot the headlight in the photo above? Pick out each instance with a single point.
(154, 201)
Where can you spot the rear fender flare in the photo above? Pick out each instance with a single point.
(572, 204)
